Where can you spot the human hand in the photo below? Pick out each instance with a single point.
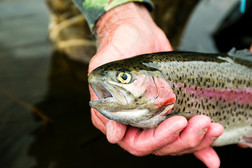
(126, 31)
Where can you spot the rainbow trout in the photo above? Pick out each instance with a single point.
(145, 90)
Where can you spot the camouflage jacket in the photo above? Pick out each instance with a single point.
(94, 9)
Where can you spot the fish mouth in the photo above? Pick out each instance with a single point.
(101, 91)
(109, 93)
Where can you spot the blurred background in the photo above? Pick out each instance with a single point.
(44, 112)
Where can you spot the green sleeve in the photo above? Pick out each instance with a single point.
(94, 9)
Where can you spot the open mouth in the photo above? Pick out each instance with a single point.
(101, 91)
(109, 93)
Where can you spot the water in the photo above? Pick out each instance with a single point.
(34, 80)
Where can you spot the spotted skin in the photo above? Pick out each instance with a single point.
(216, 85)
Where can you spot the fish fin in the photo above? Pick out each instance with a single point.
(241, 54)
(246, 141)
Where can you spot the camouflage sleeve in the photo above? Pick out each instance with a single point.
(94, 9)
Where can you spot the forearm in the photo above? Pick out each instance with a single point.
(93, 9)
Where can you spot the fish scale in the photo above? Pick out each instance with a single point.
(216, 85)
(197, 76)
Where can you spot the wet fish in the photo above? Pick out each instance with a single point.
(145, 90)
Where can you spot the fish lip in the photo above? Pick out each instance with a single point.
(109, 93)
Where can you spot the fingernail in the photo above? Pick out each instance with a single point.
(203, 132)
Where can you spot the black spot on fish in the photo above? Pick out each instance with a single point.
(181, 101)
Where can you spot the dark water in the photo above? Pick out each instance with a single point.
(36, 82)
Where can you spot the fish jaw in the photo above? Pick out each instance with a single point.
(139, 117)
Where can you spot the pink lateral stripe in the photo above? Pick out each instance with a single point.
(229, 95)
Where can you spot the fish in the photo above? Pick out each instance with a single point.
(144, 90)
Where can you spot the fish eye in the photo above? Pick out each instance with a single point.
(124, 77)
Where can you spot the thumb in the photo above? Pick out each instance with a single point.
(115, 131)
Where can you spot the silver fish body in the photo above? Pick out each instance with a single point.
(143, 91)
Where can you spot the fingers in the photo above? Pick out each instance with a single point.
(189, 138)
(97, 122)
(115, 131)
(209, 157)
(142, 142)
(214, 131)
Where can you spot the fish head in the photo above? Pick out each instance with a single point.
(133, 95)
